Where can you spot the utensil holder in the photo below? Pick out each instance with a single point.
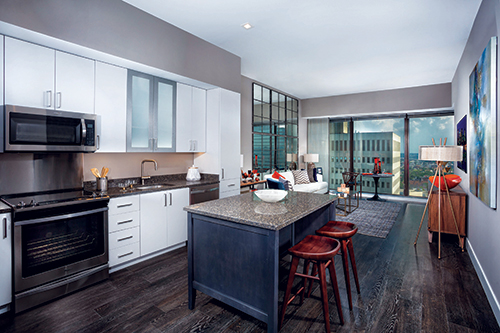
(102, 184)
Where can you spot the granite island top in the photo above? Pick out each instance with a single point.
(249, 209)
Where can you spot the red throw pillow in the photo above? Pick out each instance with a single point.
(276, 175)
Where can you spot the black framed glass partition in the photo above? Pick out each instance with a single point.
(274, 129)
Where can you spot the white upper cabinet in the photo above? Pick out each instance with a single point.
(74, 83)
(111, 105)
(29, 74)
(190, 119)
(1, 73)
(36, 76)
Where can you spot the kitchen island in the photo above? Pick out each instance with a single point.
(235, 244)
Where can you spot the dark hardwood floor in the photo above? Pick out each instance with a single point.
(403, 289)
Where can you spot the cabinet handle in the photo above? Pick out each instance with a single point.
(126, 254)
(222, 173)
(59, 99)
(124, 205)
(4, 227)
(48, 96)
(165, 197)
(126, 221)
(170, 198)
(125, 238)
(194, 145)
(231, 185)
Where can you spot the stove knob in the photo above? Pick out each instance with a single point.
(21, 204)
(33, 203)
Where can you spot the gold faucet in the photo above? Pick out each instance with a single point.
(142, 169)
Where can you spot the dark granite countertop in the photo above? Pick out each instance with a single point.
(121, 187)
(249, 209)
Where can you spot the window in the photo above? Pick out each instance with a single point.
(275, 129)
(384, 138)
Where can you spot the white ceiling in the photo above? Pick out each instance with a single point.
(321, 48)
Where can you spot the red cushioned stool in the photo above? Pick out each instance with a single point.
(320, 251)
(343, 231)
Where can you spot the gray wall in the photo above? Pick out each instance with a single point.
(119, 29)
(406, 99)
(483, 222)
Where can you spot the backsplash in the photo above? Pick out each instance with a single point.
(128, 165)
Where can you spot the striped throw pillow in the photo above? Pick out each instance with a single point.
(300, 177)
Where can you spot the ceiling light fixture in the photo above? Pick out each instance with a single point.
(247, 26)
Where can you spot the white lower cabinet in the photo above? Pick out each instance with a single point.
(5, 261)
(124, 229)
(163, 220)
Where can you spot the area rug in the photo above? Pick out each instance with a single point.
(373, 218)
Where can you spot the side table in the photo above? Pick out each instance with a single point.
(459, 201)
(347, 203)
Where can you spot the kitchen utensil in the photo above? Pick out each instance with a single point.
(104, 172)
(95, 172)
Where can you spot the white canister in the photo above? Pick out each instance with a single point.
(193, 174)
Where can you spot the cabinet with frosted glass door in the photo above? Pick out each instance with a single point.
(150, 113)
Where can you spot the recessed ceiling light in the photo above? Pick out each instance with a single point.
(247, 26)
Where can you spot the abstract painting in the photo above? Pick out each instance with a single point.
(482, 129)
(462, 141)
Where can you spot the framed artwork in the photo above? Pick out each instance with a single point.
(482, 126)
(462, 141)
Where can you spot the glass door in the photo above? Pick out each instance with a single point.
(422, 131)
(165, 133)
(150, 113)
(382, 139)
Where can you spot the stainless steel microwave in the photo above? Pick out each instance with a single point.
(30, 129)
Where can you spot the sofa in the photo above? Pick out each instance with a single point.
(314, 187)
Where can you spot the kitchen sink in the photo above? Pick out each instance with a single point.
(151, 187)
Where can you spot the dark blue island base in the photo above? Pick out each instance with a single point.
(238, 263)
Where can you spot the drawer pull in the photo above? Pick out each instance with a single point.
(4, 227)
(126, 254)
(230, 185)
(126, 221)
(125, 238)
(124, 205)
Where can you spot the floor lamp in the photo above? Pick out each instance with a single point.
(442, 154)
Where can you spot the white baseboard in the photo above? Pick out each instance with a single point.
(495, 306)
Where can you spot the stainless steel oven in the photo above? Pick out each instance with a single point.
(31, 129)
(60, 245)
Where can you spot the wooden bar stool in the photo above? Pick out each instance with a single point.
(320, 251)
(343, 231)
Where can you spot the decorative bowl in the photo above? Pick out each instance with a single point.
(451, 180)
(271, 195)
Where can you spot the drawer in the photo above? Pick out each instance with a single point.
(123, 254)
(123, 221)
(230, 185)
(123, 237)
(123, 204)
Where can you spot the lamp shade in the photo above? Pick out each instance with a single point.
(440, 153)
(308, 158)
(291, 157)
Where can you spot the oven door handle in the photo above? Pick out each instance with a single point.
(61, 217)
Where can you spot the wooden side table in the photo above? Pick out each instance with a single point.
(252, 184)
(459, 201)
